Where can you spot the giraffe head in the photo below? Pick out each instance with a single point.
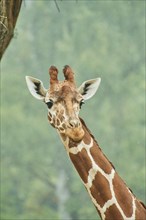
(64, 100)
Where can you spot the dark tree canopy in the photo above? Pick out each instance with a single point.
(9, 11)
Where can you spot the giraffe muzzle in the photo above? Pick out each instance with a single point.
(76, 133)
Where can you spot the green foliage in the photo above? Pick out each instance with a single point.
(98, 38)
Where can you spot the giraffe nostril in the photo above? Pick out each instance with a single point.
(74, 123)
(71, 123)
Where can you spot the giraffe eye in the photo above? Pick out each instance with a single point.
(81, 103)
(49, 103)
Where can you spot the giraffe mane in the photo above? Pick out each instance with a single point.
(83, 123)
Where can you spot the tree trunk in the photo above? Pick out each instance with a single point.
(9, 10)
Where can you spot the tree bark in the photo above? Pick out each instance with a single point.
(9, 11)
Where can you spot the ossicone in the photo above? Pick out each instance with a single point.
(68, 73)
(53, 71)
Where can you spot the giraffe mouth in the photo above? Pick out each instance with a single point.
(76, 134)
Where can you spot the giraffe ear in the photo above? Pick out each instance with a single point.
(36, 87)
(89, 88)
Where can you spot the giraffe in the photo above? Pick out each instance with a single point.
(108, 192)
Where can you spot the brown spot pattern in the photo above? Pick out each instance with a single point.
(61, 129)
(54, 121)
(58, 122)
(100, 159)
(100, 189)
(82, 164)
(49, 118)
(112, 213)
(63, 136)
(72, 143)
(123, 196)
(63, 125)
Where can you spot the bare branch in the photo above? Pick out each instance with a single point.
(57, 5)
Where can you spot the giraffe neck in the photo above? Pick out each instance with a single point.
(110, 195)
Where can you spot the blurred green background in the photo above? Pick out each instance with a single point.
(97, 39)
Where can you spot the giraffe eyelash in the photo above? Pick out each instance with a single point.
(81, 103)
